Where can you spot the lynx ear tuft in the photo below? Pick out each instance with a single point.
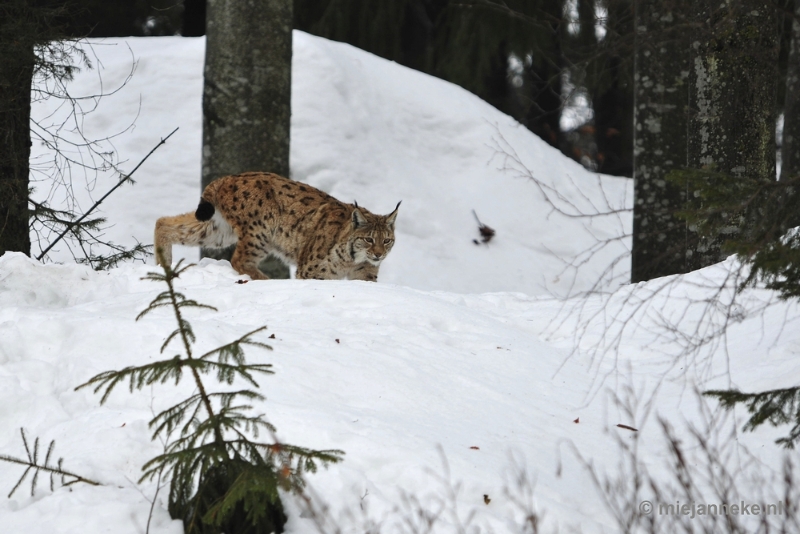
(358, 217)
(393, 216)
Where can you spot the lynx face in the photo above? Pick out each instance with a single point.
(373, 236)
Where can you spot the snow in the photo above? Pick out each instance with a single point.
(369, 130)
(463, 365)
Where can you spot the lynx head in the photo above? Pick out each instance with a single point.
(373, 235)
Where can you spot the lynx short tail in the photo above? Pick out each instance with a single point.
(204, 211)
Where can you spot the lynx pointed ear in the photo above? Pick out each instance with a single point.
(392, 216)
(358, 217)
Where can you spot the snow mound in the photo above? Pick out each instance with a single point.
(370, 130)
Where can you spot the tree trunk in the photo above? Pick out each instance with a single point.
(790, 149)
(247, 92)
(613, 115)
(722, 61)
(733, 88)
(660, 129)
(194, 18)
(17, 37)
(613, 104)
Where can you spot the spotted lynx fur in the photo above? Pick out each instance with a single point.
(264, 214)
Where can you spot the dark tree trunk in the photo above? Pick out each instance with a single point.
(543, 85)
(660, 130)
(543, 92)
(194, 18)
(733, 85)
(613, 119)
(247, 91)
(17, 36)
(722, 61)
(790, 148)
(613, 103)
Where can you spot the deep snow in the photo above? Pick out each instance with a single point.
(427, 360)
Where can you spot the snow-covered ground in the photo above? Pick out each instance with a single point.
(461, 352)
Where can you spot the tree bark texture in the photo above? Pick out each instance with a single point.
(705, 81)
(247, 91)
(17, 37)
(733, 90)
(661, 92)
(790, 148)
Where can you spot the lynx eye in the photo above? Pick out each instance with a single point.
(387, 241)
(369, 240)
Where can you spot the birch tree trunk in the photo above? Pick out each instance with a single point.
(247, 92)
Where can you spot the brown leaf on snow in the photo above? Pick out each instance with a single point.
(578, 420)
(272, 336)
(475, 448)
(486, 233)
(626, 427)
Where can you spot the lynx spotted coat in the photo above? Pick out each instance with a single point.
(266, 214)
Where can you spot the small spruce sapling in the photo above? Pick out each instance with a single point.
(221, 478)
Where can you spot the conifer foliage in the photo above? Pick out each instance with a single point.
(37, 465)
(758, 221)
(222, 478)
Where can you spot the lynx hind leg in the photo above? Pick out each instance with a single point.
(246, 258)
(168, 231)
(187, 230)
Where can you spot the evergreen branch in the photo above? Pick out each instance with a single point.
(233, 350)
(103, 262)
(169, 419)
(165, 299)
(124, 179)
(227, 373)
(32, 463)
(184, 327)
(776, 407)
(138, 377)
(184, 464)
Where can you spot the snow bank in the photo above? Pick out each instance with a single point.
(367, 129)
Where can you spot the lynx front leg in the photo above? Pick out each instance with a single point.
(365, 271)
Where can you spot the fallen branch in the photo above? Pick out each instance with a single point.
(124, 179)
(33, 463)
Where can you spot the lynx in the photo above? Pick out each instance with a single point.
(264, 214)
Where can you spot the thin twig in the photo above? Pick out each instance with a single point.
(122, 181)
